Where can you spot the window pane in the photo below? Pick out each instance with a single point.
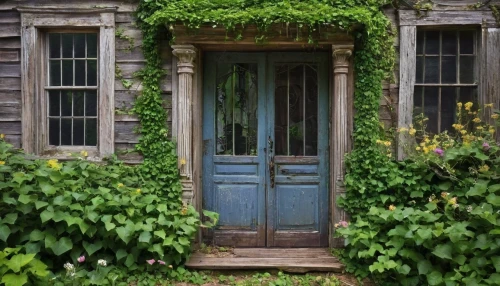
(448, 105)
(468, 94)
(311, 114)
(467, 42)
(66, 103)
(420, 69)
(91, 45)
(78, 132)
(467, 69)
(79, 72)
(281, 110)
(67, 45)
(431, 96)
(78, 103)
(54, 103)
(79, 45)
(431, 70)
(432, 43)
(55, 73)
(91, 103)
(449, 69)
(91, 73)
(418, 101)
(54, 45)
(66, 131)
(67, 66)
(91, 132)
(420, 43)
(54, 131)
(449, 43)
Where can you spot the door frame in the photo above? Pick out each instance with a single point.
(188, 62)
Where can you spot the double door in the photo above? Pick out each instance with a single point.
(265, 148)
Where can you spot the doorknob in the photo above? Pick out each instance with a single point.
(271, 161)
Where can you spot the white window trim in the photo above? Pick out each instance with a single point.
(487, 58)
(35, 21)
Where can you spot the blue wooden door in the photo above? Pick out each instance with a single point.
(265, 148)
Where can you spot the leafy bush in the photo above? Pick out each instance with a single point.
(434, 218)
(20, 268)
(63, 210)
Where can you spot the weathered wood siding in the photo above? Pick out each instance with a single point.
(129, 59)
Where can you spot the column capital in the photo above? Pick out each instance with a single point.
(341, 55)
(186, 55)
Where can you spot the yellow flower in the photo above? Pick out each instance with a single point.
(484, 168)
(458, 126)
(495, 116)
(170, 266)
(488, 105)
(412, 131)
(184, 211)
(403, 129)
(479, 128)
(2, 163)
(336, 225)
(120, 185)
(459, 105)
(182, 161)
(84, 153)
(444, 194)
(476, 120)
(452, 201)
(418, 148)
(491, 131)
(53, 164)
(138, 191)
(392, 208)
(2, 136)
(463, 131)
(387, 143)
(468, 106)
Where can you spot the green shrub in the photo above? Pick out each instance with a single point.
(435, 217)
(19, 268)
(62, 210)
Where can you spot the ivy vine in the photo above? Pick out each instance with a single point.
(374, 60)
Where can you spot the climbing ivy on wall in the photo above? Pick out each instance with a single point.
(374, 59)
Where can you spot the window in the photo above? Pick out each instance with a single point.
(68, 76)
(72, 89)
(446, 73)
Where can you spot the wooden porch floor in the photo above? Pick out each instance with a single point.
(296, 260)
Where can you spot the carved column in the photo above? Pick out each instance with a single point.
(185, 69)
(340, 124)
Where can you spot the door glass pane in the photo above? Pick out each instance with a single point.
(296, 110)
(236, 109)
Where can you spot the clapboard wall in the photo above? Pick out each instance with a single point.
(129, 59)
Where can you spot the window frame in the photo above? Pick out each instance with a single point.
(488, 66)
(36, 23)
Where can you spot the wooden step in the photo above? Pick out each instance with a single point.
(297, 260)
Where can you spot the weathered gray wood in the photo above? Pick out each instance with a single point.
(10, 43)
(106, 86)
(121, 5)
(10, 70)
(491, 72)
(10, 83)
(10, 111)
(10, 127)
(441, 18)
(125, 132)
(130, 55)
(15, 140)
(28, 79)
(9, 56)
(128, 69)
(407, 73)
(125, 17)
(10, 17)
(10, 30)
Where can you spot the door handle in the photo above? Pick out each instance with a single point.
(271, 161)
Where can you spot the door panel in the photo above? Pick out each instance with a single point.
(233, 156)
(265, 151)
(297, 213)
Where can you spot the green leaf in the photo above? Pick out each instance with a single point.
(435, 278)
(63, 245)
(24, 199)
(46, 215)
(124, 234)
(37, 235)
(443, 251)
(15, 279)
(92, 248)
(47, 188)
(178, 247)
(493, 199)
(40, 204)
(10, 218)
(496, 263)
(184, 241)
(160, 233)
(130, 260)
(169, 240)
(4, 232)
(478, 189)
(445, 186)
(424, 266)
(145, 236)
(18, 261)
(120, 254)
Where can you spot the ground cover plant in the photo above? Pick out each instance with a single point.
(434, 218)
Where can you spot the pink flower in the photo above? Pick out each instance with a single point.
(161, 262)
(343, 223)
(486, 146)
(151, 261)
(439, 151)
(81, 259)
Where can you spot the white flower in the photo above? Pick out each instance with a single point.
(102, 262)
(456, 206)
(469, 209)
(68, 266)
